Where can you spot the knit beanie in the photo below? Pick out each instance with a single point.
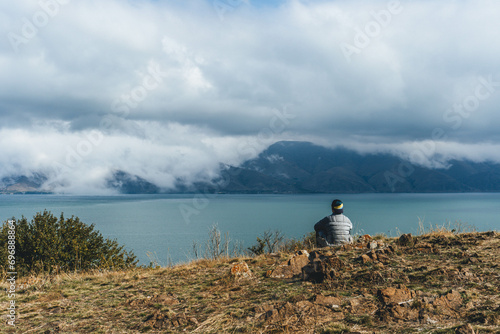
(337, 207)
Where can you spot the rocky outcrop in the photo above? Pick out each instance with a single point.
(401, 303)
(291, 268)
(448, 304)
(388, 265)
(377, 255)
(322, 265)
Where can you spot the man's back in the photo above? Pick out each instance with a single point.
(336, 229)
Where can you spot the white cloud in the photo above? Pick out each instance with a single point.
(81, 162)
(219, 82)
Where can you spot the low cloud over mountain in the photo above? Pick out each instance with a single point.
(302, 167)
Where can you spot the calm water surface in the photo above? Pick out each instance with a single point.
(167, 225)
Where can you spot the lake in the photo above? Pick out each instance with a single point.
(168, 225)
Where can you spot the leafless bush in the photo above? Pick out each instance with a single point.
(217, 246)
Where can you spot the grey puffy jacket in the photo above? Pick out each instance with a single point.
(335, 229)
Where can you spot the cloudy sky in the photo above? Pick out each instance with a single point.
(169, 89)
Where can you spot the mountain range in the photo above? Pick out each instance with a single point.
(303, 167)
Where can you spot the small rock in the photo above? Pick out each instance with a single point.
(430, 321)
(329, 301)
(392, 295)
(365, 258)
(465, 329)
(382, 258)
(373, 245)
(272, 315)
(55, 310)
(346, 247)
(354, 302)
(365, 238)
(240, 270)
(304, 304)
(264, 308)
(406, 240)
(165, 300)
(451, 300)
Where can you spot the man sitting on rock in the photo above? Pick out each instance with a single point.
(334, 230)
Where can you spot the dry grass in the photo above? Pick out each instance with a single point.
(201, 296)
(446, 229)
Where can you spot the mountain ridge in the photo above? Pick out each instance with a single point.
(310, 168)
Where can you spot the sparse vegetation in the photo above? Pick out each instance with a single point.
(446, 228)
(217, 246)
(275, 241)
(269, 242)
(203, 297)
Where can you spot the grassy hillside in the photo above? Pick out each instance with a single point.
(434, 283)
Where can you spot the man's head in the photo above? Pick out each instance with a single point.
(337, 206)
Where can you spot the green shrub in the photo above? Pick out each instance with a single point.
(270, 242)
(48, 244)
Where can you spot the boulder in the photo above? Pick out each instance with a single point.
(322, 266)
(240, 270)
(292, 267)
